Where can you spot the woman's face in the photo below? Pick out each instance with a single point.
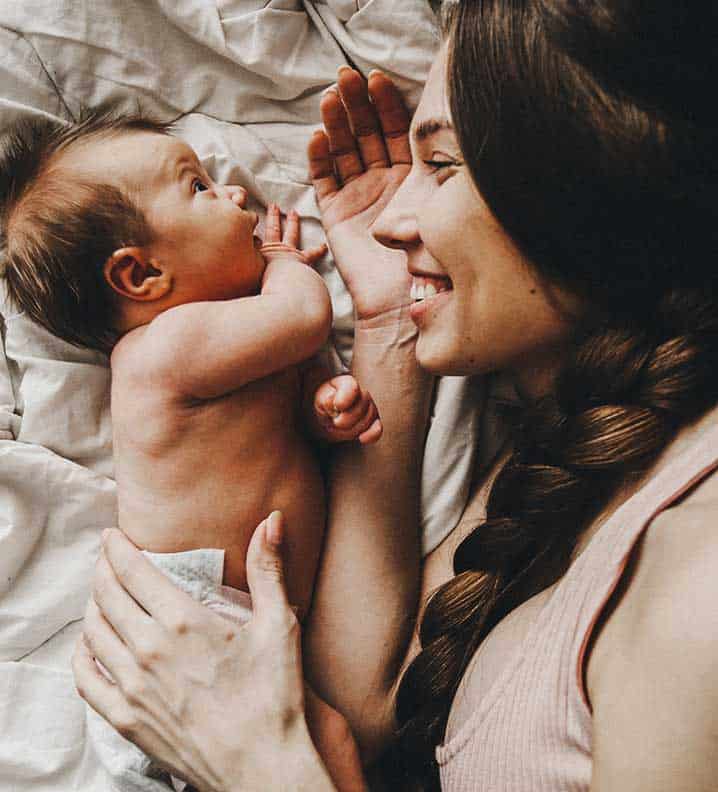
(486, 309)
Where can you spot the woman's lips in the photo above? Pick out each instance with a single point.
(419, 310)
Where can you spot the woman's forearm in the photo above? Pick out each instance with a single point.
(366, 595)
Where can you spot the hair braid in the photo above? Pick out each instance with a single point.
(617, 404)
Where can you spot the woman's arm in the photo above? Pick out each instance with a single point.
(365, 599)
(219, 705)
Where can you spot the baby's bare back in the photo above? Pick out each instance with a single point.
(204, 473)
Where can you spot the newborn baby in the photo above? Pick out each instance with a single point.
(116, 238)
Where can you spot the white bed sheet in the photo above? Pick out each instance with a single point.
(244, 75)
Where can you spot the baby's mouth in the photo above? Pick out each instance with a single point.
(425, 287)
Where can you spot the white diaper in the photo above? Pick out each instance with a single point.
(199, 573)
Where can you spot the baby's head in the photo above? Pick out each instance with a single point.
(109, 222)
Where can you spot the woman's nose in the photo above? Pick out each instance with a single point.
(396, 225)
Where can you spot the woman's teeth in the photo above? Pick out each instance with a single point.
(424, 289)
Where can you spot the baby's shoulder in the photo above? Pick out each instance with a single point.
(143, 359)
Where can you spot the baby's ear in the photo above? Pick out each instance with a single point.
(134, 275)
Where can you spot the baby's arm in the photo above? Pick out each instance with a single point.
(208, 349)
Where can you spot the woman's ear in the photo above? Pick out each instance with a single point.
(134, 275)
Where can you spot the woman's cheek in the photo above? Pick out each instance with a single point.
(449, 223)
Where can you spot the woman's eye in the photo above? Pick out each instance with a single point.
(443, 168)
(199, 186)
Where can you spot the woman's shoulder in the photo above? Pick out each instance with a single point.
(669, 589)
(676, 574)
(652, 676)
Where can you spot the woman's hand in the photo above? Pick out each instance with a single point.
(356, 165)
(219, 705)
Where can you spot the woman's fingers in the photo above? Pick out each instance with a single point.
(321, 166)
(129, 584)
(96, 689)
(363, 118)
(393, 117)
(342, 144)
(265, 570)
(105, 645)
(118, 608)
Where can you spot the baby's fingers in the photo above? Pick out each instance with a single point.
(324, 399)
(347, 392)
(373, 433)
(362, 421)
(314, 254)
(273, 224)
(358, 416)
(291, 229)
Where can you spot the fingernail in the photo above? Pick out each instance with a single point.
(344, 67)
(374, 71)
(274, 529)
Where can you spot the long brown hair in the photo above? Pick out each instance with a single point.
(588, 129)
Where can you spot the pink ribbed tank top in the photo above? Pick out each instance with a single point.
(529, 729)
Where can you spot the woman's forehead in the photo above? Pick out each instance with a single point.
(433, 112)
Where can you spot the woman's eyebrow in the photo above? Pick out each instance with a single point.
(429, 127)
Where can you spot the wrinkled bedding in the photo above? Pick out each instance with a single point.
(243, 77)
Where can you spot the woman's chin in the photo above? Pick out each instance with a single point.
(444, 360)
(432, 358)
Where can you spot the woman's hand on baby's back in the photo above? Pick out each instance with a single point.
(344, 412)
(356, 163)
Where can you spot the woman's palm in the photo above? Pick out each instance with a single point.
(355, 175)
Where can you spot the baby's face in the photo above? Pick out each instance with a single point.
(205, 239)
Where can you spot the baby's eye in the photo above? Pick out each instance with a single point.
(199, 186)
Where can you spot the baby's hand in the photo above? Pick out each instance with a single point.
(345, 412)
(277, 246)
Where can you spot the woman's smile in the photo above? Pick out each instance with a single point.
(428, 293)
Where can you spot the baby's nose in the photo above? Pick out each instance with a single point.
(236, 194)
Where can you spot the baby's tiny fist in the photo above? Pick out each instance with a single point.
(346, 412)
(347, 391)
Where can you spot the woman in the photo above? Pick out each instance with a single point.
(560, 210)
